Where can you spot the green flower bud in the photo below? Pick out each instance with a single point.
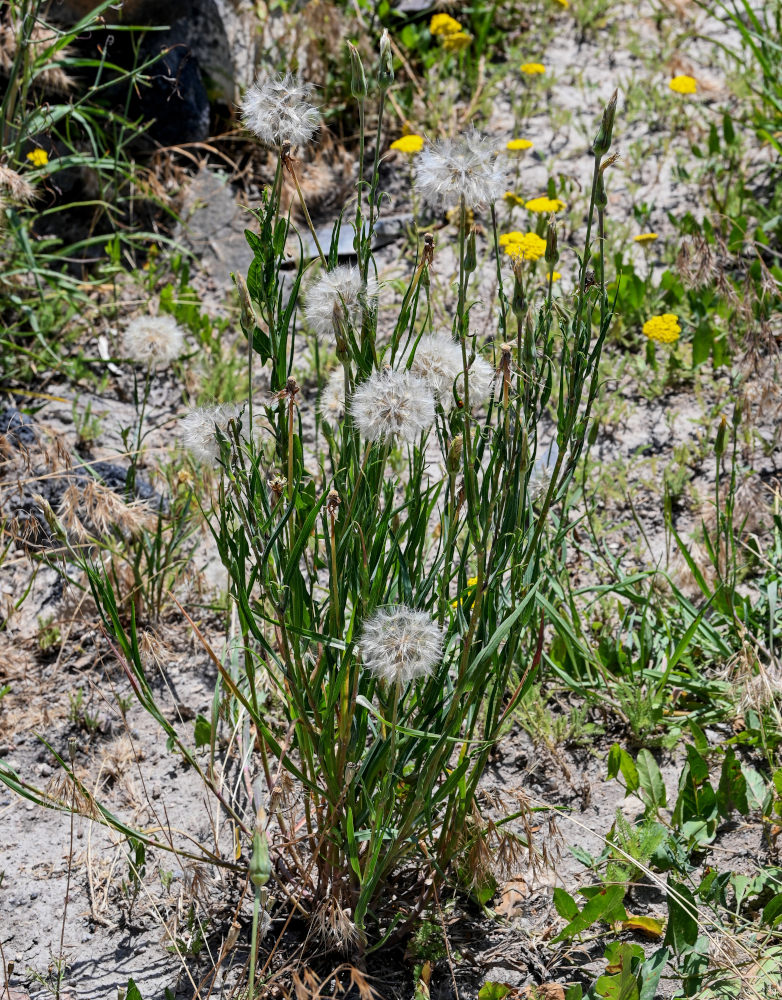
(602, 141)
(455, 455)
(601, 197)
(260, 866)
(358, 80)
(552, 253)
(385, 73)
(719, 443)
(518, 305)
(246, 311)
(470, 257)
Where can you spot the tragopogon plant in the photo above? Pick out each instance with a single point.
(388, 580)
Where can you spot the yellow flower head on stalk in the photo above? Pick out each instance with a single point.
(472, 581)
(457, 41)
(514, 200)
(683, 84)
(555, 276)
(645, 238)
(545, 205)
(444, 24)
(518, 145)
(38, 157)
(533, 69)
(410, 144)
(529, 247)
(506, 238)
(664, 328)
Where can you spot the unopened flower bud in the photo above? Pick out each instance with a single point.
(470, 256)
(358, 80)
(518, 303)
(602, 141)
(246, 311)
(260, 866)
(719, 443)
(552, 253)
(385, 73)
(601, 197)
(455, 455)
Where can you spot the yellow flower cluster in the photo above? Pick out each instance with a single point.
(410, 144)
(523, 246)
(514, 200)
(38, 157)
(644, 237)
(554, 275)
(683, 84)
(545, 205)
(564, 3)
(457, 41)
(444, 24)
(533, 69)
(664, 328)
(516, 145)
(471, 582)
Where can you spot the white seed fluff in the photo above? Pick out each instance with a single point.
(438, 361)
(198, 429)
(466, 167)
(338, 298)
(153, 340)
(392, 404)
(331, 402)
(277, 110)
(399, 644)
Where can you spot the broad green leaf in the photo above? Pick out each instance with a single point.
(651, 784)
(607, 901)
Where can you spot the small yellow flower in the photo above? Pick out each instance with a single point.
(516, 145)
(644, 237)
(471, 582)
(514, 200)
(529, 247)
(444, 24)
(533, 69)
(456, 41)
(38, 157)
(410, 144)
(664, 328)
(683, 84)
(564, 3)
(555, 276)
(545, 205)
(514, 237)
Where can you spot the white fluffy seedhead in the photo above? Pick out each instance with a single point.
(153, 340)
(338, 298)
(278, 110)
(399, 644)
(466, 167)
(199, 429)
(331, 402)
(438, 361)
(392, 404)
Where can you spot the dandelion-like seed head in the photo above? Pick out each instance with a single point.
(331, 403)
(153, 340)
(15, 186)
(664, 328)
(199, 427)
(338, 298)
(278, 111)
(399, 644)
(539, 482)
(451, 169)
(439, 362)
(392, 404)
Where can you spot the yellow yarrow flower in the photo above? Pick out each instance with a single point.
(529, 247)
(533, 69)
(564, 3)
(515, 145)
(471, 582)
(410, 144)
(644, 237)
(514, 200)
(555, 276)
(38, 157)
(444, 24)
(506, 238)
(456, 41)
(664, 328)
(683, 84)
(545, 205)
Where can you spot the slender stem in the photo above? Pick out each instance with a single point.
(303, 203)
(254, 943)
